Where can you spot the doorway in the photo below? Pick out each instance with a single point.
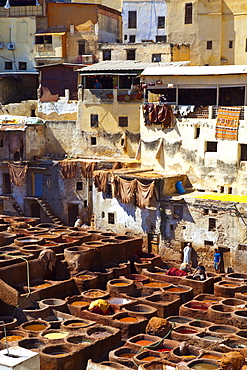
(153, 243)
(35, 210)
(72, 213)
(37, 184)
(6, 184)
(225, 262)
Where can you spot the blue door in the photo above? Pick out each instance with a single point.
(38, 184)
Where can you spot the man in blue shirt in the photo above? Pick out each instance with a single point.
(217, 259)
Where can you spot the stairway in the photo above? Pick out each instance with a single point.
(48, 210)
(14, 204)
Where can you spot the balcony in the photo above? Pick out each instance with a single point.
(122, 96)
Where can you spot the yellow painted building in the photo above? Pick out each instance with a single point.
(215, 30)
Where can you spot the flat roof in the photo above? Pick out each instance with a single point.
(125, 65)
(194, 70)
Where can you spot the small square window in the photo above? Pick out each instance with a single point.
(161, 22)
(132, 39)
(94, 118)
(171, 227)
(230, 44)
(125, 37)
(156, 58)
(93, 141)
(208, 243)
(79, 185)
(123, 121)
(85, 203)
(22, 66)
(106, 54)
(1, 143)
(205, 211)
(160, 38)
(209, 45)
(111, 218)
(131, 54)
(211, 224)
(8, 66)
(211, 146)
(197, 132)
(103, 215)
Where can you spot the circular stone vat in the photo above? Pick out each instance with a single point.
(143, 340)
(222, 329)
(209, 338)
(226, 288)
(35, 327)
(26, 240)
(234, 302)
(74, 324)
(98, 332)
(142, 310)
(137, 277)
(242, 334)
(178, 320)
(219, 313)
(191, 353)
(12, 336)
(118, 286)
(55, 334)
(123, 355)
(145, 357)
(202, 364)
(34, 344)
(211, 355)
(184, 332)
(235, 277)
(9, 321)
(76, 304)
(200, 323)
(55, 303)
(156, 284)
(195, 309)
(93, 294)
(119, 303)
(81, 340)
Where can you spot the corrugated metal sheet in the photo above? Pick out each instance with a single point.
(126, 65)
(194, 70)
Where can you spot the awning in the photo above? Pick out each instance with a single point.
(13, 127)
(50, 33)
(127, 73)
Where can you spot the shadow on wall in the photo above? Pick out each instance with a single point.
(59, 137)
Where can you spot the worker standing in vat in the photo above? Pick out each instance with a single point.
(217, 260)
(187, 254)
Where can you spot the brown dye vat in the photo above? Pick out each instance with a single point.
(93, 294)
(194, 309)
(176, 290)
(227, 289)
(78, 339)
(190, 353)
(74, 324)
(34, 344)
(123, 356)
(211, 356)
(219, 313)
(222, 329)
(141, 310)
(200, 323)
(239, 319)
(203, 365)
(9, 321)
(128, 319)
(142, 340)
(137, 277)
(234, 302)
(156, 284)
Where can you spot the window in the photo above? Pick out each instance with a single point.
(103, 214)
(161, 22)
(132, 39)
(160, 38)
(8, 65)
(85, 203)
(243, 152)
(132, 19)
(1, 143)
(81, 48)
(93, 141)
(125, 37)
(111, 218)
(90, 188)
(79, 185)
(22, 66)
(123, 121)
(188, 13)
(43, 39)
(208, 243)
(246, 45)
(211, 224)
(131, 54)
(156, 58)
(94, 120)
(209, 45)
(205, 211)
(230, 44)
(211, 146)
(106, 54)
(178, 211)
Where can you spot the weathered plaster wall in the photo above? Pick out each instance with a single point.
(61, 110)
(109, 27)
(143, 52)
(35, 141)
(60, 137)
(111, 139)
(21, 32)
(128, 218)
(147, 19)
(115, 4)
(25, 108)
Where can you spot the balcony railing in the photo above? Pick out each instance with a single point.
(129, 96)
(22, 11)
(94, 96)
